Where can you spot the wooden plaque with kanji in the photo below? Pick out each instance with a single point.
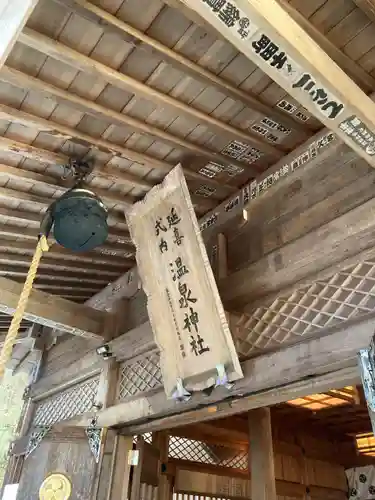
(184, 306)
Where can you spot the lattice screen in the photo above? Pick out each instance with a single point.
(139, 376)
(197, 451)
(345, 295)
(66, 404)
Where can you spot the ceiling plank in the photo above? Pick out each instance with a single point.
(20, 79)
(7, 230)
(57, 276)
(354, 70)
(45, 201)
(114, 24)
(48, 262)
(368, 7)
(69, 56)
(50, 310)
(44, 156)
(60, 253)
(287, 54)
(13, 17)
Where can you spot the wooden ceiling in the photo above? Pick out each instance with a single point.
(135, 87)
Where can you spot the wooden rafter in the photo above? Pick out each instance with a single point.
(310, 75)
(20, 79)
(63, 53)
(52, 311)
(59, 253)
(26, 233)
(45, 156)
(368, 7)
(24, 261)
(14, 15)
(353, 69)
(113, 24)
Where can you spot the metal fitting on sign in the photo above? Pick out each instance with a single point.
(181, 394)
(222, 377)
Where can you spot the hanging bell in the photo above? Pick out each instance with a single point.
(79, 220)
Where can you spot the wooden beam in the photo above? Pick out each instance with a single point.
(69, 56)
(266, 276)
(68, 288)
(24, 233)
(57, 276)
(261, 461)
(19, 79)
(13, 17)
(113, 24)
(50, 310)
(269, 379)
(288, 55)
(16, 247)
(368, 7)
(49, 263)
(44, 156)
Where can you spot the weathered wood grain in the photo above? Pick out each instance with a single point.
(52, 311)
(270, 378)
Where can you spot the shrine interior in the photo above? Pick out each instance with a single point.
(245, 131)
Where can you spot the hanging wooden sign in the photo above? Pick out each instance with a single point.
(184, 306)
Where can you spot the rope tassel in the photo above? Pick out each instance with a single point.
(6, 351)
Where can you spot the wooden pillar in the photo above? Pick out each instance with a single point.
(119, 489)
(165, 488)
(261, 461)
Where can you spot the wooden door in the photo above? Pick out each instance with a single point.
(67, 454)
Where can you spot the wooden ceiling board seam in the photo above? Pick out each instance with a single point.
(59, 253)
(12, 231)
(58, 276)
(348, 28)
(11, 74)
(60, 51)
(331, 13)
(362, 43)
(50, 263)
(309, 8)
(46, 199)
(125, 200)
(339, 56)
(176, 58)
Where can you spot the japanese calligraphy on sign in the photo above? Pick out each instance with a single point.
(184, 306)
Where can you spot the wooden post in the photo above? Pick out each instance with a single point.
(261, 462)
(137, 472)
(222, 256)
(107, 478)
(161, 440)
(119, 489)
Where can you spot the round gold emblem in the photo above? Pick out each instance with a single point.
(55, 487)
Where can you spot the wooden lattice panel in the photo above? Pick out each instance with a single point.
(197, 451)
(345, 295)
(141, 375)
(66, 404)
